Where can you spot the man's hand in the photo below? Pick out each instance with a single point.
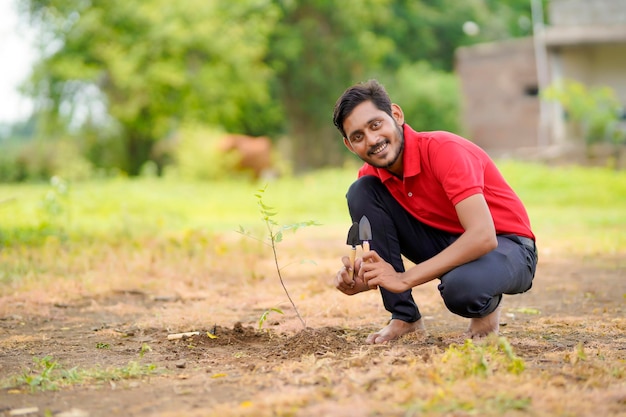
(377, 272)
(343, 280)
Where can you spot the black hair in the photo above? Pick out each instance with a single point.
(371, 90)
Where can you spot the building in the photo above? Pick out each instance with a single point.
(499, 87)
(584, 41)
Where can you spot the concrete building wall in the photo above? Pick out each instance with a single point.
(587, 12)
(585, 41)
(599, 65)
(499, 90)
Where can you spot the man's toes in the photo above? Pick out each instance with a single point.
(376, 338)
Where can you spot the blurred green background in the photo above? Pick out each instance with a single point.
(129, 88)
(574, 211)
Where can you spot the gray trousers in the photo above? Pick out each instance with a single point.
(472, 290)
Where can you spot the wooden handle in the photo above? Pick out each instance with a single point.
(352, 258)
(366, 248)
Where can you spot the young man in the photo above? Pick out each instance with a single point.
(440, 201)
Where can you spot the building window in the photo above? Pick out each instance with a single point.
(531, 91)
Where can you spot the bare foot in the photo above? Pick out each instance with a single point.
(484, 326)
(394, 330)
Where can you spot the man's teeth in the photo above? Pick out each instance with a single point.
(380, 148)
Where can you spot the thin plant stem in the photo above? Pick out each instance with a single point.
(280, 277)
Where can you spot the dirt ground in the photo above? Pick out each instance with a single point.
(569, 330)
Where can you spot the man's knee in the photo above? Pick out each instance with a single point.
(465, 300)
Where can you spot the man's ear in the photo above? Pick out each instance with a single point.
(348, 145)
(397, 113)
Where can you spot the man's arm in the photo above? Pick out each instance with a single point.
(478, 239)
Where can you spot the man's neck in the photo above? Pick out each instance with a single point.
(399, 176)
(397, 169)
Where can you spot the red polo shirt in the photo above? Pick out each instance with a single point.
(440, 170)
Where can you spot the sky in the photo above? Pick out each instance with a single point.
(16, 57)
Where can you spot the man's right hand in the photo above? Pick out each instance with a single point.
(344, 281)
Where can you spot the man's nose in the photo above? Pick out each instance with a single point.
(371, 138)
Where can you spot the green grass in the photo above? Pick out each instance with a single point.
(48, 375)
(149, 206)
(575, 209)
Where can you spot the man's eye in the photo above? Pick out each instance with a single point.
(357, 138)
(376, 124)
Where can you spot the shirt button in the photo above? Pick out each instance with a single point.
(410, 194)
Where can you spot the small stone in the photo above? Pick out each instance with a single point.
(181, 364)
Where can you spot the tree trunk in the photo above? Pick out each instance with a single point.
(315, 143)
(138, 150)
(316, 148)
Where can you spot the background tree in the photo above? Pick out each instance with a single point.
(145, 67)
(431, 30)
(595, 111)
(317, 49)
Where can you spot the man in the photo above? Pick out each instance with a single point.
(439, 200)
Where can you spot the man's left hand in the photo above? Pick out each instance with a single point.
(377, 272)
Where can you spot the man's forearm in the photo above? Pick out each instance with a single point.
(466, 248)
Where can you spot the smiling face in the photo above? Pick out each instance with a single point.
(376, 137)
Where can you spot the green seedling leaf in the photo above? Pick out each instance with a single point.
(296, 226)
(580, 352)
(145, 348)
(265, 314)
(265, 207)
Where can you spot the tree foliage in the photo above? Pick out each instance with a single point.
(596, 110)
(153, 64)
(318, 49)
(432, 105)
(123, 75)
(431, 30)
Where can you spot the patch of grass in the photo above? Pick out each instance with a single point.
(494, 354)
(446, 402)
(124, 208)
(567, 201)
(48, 375)
(133, 370)
(578, 210)
(43, 377)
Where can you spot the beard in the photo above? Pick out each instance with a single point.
(394, 159)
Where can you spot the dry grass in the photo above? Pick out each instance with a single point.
(562, 352)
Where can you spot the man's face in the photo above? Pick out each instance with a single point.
(376, 137)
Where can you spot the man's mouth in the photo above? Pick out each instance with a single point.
(379, 148)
